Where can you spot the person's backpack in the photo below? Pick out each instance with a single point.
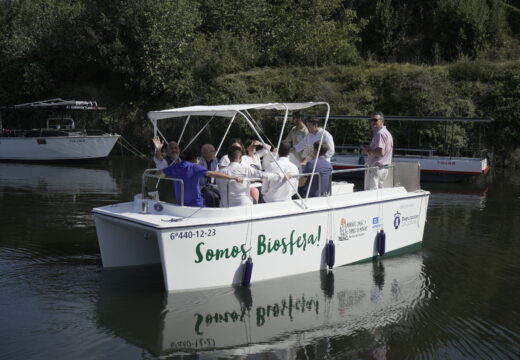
(211, 196)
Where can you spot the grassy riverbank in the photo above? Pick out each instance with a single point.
(465, 88)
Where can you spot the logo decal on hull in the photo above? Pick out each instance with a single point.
(352, 229)
(376, 223)
(397, 220)
(402, 221)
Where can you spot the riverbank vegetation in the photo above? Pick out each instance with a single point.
(443, 57)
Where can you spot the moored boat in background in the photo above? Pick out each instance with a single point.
(455, 165)
(59, 141)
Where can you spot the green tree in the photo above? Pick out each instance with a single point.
(146, 44)
(312, 33)
(34, 46)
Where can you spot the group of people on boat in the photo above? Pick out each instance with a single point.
(308, 148)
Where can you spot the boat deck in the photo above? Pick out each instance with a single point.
(162, 215)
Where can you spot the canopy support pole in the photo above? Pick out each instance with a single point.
(225, 134)
(303, 203)
(200, 131)
(183, 129)
(318, 153)
(283, 128)
(258, 125)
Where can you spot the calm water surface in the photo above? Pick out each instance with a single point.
(454, 298)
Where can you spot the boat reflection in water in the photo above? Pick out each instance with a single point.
(471, 196)
(278, 315)
(65, 180)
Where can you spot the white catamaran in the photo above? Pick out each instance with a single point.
(59, 140)
(210, 247)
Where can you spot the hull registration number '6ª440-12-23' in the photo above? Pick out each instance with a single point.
(189, 234)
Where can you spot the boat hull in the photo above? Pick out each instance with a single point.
(433, 168)
(282, 239)
(56, 149)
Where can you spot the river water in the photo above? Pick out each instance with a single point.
(455, 297)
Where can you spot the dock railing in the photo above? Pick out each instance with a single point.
(410, 151)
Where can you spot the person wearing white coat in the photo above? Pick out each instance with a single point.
(285, 189)
(239, 193)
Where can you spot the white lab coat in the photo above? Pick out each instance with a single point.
(280, 190)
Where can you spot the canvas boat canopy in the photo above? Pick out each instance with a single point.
(227, 110)
(58, 103)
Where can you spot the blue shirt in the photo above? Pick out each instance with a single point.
(324, 168)
(190, 173)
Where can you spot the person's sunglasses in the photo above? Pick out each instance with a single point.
(373, 120)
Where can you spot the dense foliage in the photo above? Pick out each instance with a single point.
(136, 55)
(466, 89)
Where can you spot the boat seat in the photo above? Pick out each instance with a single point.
(342, 187)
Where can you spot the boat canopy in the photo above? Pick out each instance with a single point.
(227, 110)
(230, 111)
(57, 103)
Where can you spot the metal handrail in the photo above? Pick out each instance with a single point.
(365, 169)
(359, 169)
(148, 173)
(251, 180)
(358, 149)
(310, 175)
(428, 152)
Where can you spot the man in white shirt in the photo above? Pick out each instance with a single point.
(172, 153)
(297, 133)
(379, 153)
(239, 193)
(285, 189)
(208, 185)
(315, 134)
(172, 156)
(209, 161)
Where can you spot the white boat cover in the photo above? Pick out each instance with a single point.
(226, 110)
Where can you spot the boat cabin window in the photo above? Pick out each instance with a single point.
(60, 123)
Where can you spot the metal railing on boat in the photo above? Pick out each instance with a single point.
(400, 174)
(148, 173)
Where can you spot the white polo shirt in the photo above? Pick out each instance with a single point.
(307, 144)
(280, 190)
